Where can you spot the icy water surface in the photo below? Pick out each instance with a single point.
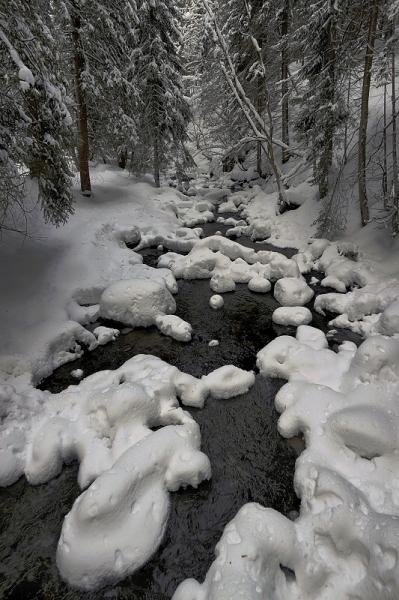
(250, 461)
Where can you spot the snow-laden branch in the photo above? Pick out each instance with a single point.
(256, 118)
(25, 74)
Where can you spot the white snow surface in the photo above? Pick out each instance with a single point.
(345, 542)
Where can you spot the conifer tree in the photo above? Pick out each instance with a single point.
(164, 110)
(34, 115)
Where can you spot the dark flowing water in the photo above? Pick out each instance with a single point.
(250, 461)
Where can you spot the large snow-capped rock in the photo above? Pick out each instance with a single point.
(388, 323)
(292, 357)
(292, 316)
(228, 381)
(174, 327)
(292, 291)
(136, 302)
(259, 284)
(116, 525)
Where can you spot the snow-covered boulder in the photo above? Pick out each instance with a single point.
(136, 302)
(105, 335)
(116, 525)
(334, 283)
(222, 282)
(311, 337)
(228, 381)
(227, 207)
(279, 265)
(216, 301)
(217, 197)
(292, 291)
(259, 284)
(292, 316)
(287, 357)
(174, 327)
(389, 319)
(260, 229)
(164, 276)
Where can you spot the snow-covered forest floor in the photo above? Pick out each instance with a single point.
(69, 290)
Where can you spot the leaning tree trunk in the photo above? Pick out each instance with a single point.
(395, 182)
(79, 61)
(259, 107)
(284, 81)
(156, 161)
(364, 113)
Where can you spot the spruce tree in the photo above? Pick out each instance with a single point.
(34, 113)
(164, 110)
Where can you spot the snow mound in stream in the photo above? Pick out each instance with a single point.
(106, 423)
(136, 302)
(226, 263)
(216, 301)
(117, 524)
(292, 316)
(174, 327)
(292, 291)
(345, 542)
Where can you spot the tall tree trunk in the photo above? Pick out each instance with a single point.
(364, 112)
(259, 108)
(79, 61)
(156, 161)
(385, 151)
(329, 64)
(395, 182)
(284, 81)
(348, 99)
(122, 158)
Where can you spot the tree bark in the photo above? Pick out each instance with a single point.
(156, 162)
(348, 99)
(284, 82)
(364, 112)
(79, 62)
(122, 159)
(329, 64)
(395, 183)
(259, 144)
(385, 150)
